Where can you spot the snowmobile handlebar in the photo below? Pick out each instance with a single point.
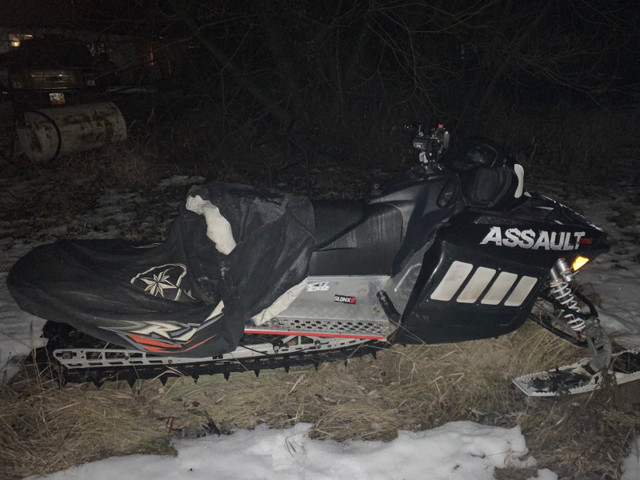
(430, 146)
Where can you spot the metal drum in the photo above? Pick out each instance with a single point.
(50, 132)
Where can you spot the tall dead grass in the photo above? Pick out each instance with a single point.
(45, 429)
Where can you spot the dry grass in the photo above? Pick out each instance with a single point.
(44, 428)
(73, 182)
(127, 165)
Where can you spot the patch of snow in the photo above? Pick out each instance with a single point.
(545, 474)
(20, 333)
(455, 451)
(615, 275)
(631, 465)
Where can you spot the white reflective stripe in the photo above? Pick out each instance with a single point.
(499, 288)
(453, 279)
(216, 311)
(520, 293)
(280, 305)
(476, 285)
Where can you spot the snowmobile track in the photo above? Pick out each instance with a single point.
(78, 358)
(162, 372)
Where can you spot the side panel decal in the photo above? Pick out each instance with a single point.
(477, 285)
(499, 289)
(468, 284)
(452, 281)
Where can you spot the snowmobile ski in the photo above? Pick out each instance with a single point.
(580, 377)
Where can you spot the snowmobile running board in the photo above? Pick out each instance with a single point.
(579, 377)
(358, 329)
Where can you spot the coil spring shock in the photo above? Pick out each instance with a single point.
(561, 275)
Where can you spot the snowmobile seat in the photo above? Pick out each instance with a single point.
(335, 217)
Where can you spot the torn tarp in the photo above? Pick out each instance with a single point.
(230, 254)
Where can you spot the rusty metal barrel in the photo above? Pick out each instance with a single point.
(50, 132)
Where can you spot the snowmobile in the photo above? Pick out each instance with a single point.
(249, 278)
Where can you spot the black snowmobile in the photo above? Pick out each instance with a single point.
(454, 249)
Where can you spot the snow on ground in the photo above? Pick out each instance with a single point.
(19, 333)
(631, 465)
(455, 451)
(615, 275)
(460, 450)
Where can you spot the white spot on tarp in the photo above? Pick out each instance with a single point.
(280, 305)
(216, 311)
(218, 227)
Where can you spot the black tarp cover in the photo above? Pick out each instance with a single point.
(165, 298)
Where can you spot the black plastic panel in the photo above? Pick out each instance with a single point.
(335, 217)
(367, 248)
(434, 320)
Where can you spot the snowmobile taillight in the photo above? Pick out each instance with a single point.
(579, 262)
